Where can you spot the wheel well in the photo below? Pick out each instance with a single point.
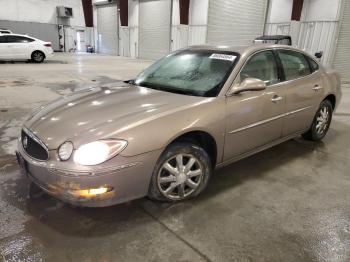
(331, 98)
(38, 51)
(203, 139)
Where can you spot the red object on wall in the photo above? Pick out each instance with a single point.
(297, 8)
(124, 12)
(184, 10)
(87, 7)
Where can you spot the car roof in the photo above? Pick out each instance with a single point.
(247, 49)
(20, 35)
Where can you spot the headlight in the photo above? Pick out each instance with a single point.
(65, 150)
(97, 152)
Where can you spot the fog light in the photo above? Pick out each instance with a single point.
(92, 191)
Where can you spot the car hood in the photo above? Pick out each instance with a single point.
(103, 112)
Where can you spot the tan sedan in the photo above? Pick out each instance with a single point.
(163, 133)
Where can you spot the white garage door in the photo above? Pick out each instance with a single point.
(154, 28)
(107, 29)
(342, 53)
(235, 22)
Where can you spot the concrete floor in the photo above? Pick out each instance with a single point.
(289, 203)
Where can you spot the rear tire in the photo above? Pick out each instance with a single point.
(182, 171)
(38, 57)
(321, 122)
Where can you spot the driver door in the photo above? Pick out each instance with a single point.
(255, 118)
(5, 49)
(18, 46)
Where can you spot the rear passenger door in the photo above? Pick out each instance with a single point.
(304, 90)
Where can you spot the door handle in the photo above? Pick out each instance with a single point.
(317, 87)
(276, 98)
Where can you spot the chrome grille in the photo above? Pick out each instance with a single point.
(33, 145)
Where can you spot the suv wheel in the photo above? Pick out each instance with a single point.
(182, 171)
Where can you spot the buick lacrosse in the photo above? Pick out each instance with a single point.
(163, 133)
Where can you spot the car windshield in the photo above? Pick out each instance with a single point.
(198, 73)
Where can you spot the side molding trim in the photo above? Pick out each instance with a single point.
(268, 120)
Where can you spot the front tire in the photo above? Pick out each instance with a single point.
(38, 57)
(182, 171)
(321, 122)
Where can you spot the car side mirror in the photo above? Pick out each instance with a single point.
(319, 54)
(249, 84)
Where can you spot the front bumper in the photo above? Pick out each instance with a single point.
(127, 177)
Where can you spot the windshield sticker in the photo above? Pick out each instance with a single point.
(223, 57)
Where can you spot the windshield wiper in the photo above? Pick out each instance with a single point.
(167, 89)
(130, 81)
(183, 92)
(144, 84)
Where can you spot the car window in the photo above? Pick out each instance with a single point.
(18, 39)
(294, 64)
(261, 66)
(313, 65)
(192, 72)
(2, 39)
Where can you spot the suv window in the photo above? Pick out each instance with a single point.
(18, 39)
(2, 39)
(261, 66)
(294, 64)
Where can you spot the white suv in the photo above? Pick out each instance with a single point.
(22, 47)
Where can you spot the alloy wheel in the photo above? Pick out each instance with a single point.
(179, 176)
(38, 57)
(322, 120)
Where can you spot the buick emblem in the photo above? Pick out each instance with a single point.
(25, 142)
